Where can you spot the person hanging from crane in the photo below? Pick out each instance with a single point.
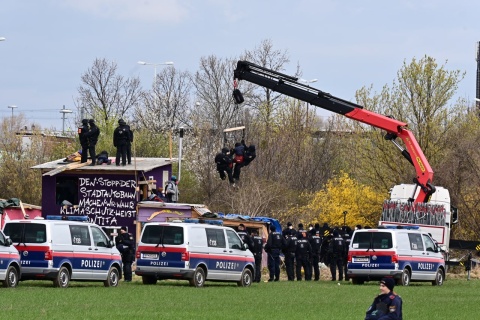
(224, 163)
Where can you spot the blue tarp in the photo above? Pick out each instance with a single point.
(270, 221)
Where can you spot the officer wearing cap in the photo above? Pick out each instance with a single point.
(274, 245)
(288, 230)
(126, 245)
(82, 136)
(336, 250)
(242, 232)
(387, 305)
(302, 256)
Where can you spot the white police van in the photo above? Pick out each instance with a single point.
(59, 250)
(405, 254)
(10, 270)
(193, 251)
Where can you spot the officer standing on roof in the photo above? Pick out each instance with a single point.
(274, 245)
(257, 254)
(92, 136)
(121, 135)
(82, 136)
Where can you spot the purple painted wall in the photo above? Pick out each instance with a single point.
(108, 199)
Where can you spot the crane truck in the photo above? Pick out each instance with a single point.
(421, 203)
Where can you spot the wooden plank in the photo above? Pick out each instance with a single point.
(234, 129)
(23, 210)
(70, 166)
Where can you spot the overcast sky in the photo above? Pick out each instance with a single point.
(344, 44)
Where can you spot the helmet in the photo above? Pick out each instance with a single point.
(121, 121)
(225, 150)
(84, 121)
(91, 121)
(174, 178)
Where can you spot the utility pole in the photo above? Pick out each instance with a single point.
(64, 111)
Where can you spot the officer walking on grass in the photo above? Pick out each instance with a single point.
(289, 252)
(316, 243)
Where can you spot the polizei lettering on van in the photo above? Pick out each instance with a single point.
(227, 265)
(92, 263)
(425, 266)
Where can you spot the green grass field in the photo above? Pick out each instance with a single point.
(279, 300)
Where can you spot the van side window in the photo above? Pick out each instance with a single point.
(14, 231)
(35, 233)
(80, 235)
(2, 239)
(99, 238)
(382, 240)
(234, 241)
(416, 242)
(429, 244)
(215, 238)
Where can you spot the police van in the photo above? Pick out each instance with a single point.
(59, 250)
(193, 251)
(9, 263)
(405, 254)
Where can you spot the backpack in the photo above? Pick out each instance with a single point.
(238, 158)
(167, 185)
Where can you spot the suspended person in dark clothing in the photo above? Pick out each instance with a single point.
(224, 165)
(82, 136)
(250, 155)
(121, 135)
(239, 154)
(92, 136)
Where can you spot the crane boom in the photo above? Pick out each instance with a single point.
(290, 86)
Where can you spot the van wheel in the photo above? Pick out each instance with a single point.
(149, 280)
(439, 277)
(357, 281)
(246, 279)
(112, 278)
(63, 278)
(11, 278)
(198, 279)
(405, 279)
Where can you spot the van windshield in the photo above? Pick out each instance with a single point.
(171, 235)
(372, 240)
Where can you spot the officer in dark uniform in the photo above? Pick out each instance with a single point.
(121, 135)
(92, 136)
(82, 136)
(257, 254)
(289, 252)
(288, 230)
(387, 305)
(126, 245)
(316, 243)
(336, 250)
(224, 163)
(245, 237)
(326, 235)
(302, 255)
(347, 236)
(273, 248)
(129, 144)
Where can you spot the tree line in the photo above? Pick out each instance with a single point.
(307, 169)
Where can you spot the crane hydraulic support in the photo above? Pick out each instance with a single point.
(289, 86)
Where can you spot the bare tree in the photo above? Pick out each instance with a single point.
(105, 94)
(167, 106)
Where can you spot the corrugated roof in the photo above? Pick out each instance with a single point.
(139, 164)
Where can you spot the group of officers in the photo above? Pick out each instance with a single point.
(302, 249)
(88, 134)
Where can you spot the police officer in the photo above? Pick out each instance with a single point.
(126, 245)
(336, 249)
(224, 163)
(244, 236)
(288, 230)
(257, 254)
(121, 135)
(316, 243)
(274, 245)
(92, 136)
(82, 136)
(289, 252)
(302, 255)
(387, 305)
(347, 236)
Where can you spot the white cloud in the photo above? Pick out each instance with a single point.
(132, 10)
